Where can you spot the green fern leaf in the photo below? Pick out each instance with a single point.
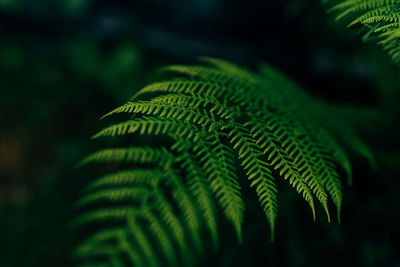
(220, 119)
(380, 17)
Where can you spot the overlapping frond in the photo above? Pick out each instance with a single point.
(379, 17)
(220, 118)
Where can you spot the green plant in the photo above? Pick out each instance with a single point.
(380, 17)
(218, 119)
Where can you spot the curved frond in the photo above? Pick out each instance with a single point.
(222, 120)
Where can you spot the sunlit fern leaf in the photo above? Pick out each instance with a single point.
(222, 120)
(379, 17)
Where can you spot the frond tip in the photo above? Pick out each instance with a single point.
(219, 118)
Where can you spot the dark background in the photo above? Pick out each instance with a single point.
(63, 64)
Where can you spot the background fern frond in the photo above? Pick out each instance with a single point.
(379, 17)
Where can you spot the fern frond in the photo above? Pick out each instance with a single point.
(126, 178)
(221, 119)
(160, 233)
(217, 162)
(149, 125)
(348, 138)
(257, 171)
(187, 208)
(143, 241)
(117, 213)
(380, 17)
(168, 215)
(113, 195)
(138, 155)
(197, 184)
(278, 157)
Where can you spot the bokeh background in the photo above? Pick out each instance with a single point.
(65, 63)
